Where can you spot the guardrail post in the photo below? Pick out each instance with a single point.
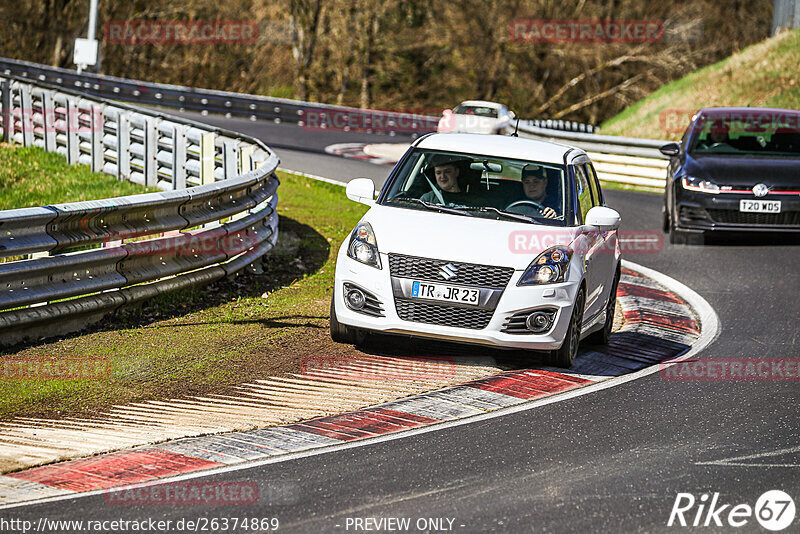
(179, 156)
(96, 121)
(207, 155)
(230, 163)
(5, 101)
(73, 124)
(123, 144)
(150, 151)
(49, 120)
(26, 116)
(246, 158)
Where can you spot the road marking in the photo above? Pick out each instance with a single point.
(430, 411)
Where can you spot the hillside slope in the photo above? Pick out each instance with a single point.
(764, 75)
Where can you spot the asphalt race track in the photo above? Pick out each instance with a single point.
(611, 461)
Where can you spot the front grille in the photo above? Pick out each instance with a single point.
(689, 214)
(468, 274)
(787, 218)
(422, 312)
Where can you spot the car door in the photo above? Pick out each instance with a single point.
(604, 260)
(590, 242)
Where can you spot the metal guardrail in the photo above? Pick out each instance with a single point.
(82, 260)
(244, 105)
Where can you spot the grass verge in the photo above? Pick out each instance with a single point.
(31, 176)
(208, 339)
(763, 75)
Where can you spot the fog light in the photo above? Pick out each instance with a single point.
(355, 299)
(538, 321)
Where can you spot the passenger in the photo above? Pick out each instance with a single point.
(534, 183)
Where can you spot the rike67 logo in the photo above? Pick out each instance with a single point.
(774, 510)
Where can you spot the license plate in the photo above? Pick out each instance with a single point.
(427, 290)
(760, 206)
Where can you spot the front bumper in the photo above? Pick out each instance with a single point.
(559, 297)
(708, 212)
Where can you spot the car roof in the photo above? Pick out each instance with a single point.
(484, 103)
(746, 111)
(503, 146)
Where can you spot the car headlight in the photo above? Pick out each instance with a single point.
(549, 267)
(363, 247)
(696, 184)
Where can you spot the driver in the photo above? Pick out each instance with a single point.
(534, 183)
(447, 174)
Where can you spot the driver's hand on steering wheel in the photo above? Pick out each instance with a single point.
(548, 213)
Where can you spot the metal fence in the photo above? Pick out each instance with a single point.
(70, 264)
(785, 15)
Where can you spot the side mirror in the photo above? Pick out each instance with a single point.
(605, 219)
(670, 149)
(361, 190)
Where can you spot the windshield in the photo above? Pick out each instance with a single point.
(747, 134)
(480, 186)
(480, 111)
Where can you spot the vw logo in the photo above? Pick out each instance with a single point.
(760, 190)
(448, 271)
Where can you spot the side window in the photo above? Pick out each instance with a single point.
(583, 191)
(594, 185)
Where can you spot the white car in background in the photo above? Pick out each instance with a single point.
(485, 264)
(476, 116)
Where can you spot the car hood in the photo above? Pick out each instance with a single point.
(745, 171)
(430, 234)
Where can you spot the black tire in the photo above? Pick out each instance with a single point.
(564, 356)
(601, 337)
(665, 225)
(342, 333)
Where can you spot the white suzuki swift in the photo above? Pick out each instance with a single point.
(497, 241)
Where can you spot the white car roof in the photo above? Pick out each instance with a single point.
(503, 146)
(484, 103)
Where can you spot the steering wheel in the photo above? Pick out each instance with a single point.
(523, 202)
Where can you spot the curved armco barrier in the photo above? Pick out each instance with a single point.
(241, 104)
(660, 325)
(217, 216)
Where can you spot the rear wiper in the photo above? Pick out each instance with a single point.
(437, 207)
(516, 216)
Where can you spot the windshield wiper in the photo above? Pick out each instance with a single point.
(515, 216)
(431, 206)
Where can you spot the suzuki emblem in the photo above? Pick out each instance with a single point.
(448, 271)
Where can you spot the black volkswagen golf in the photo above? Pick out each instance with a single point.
(735, 169)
